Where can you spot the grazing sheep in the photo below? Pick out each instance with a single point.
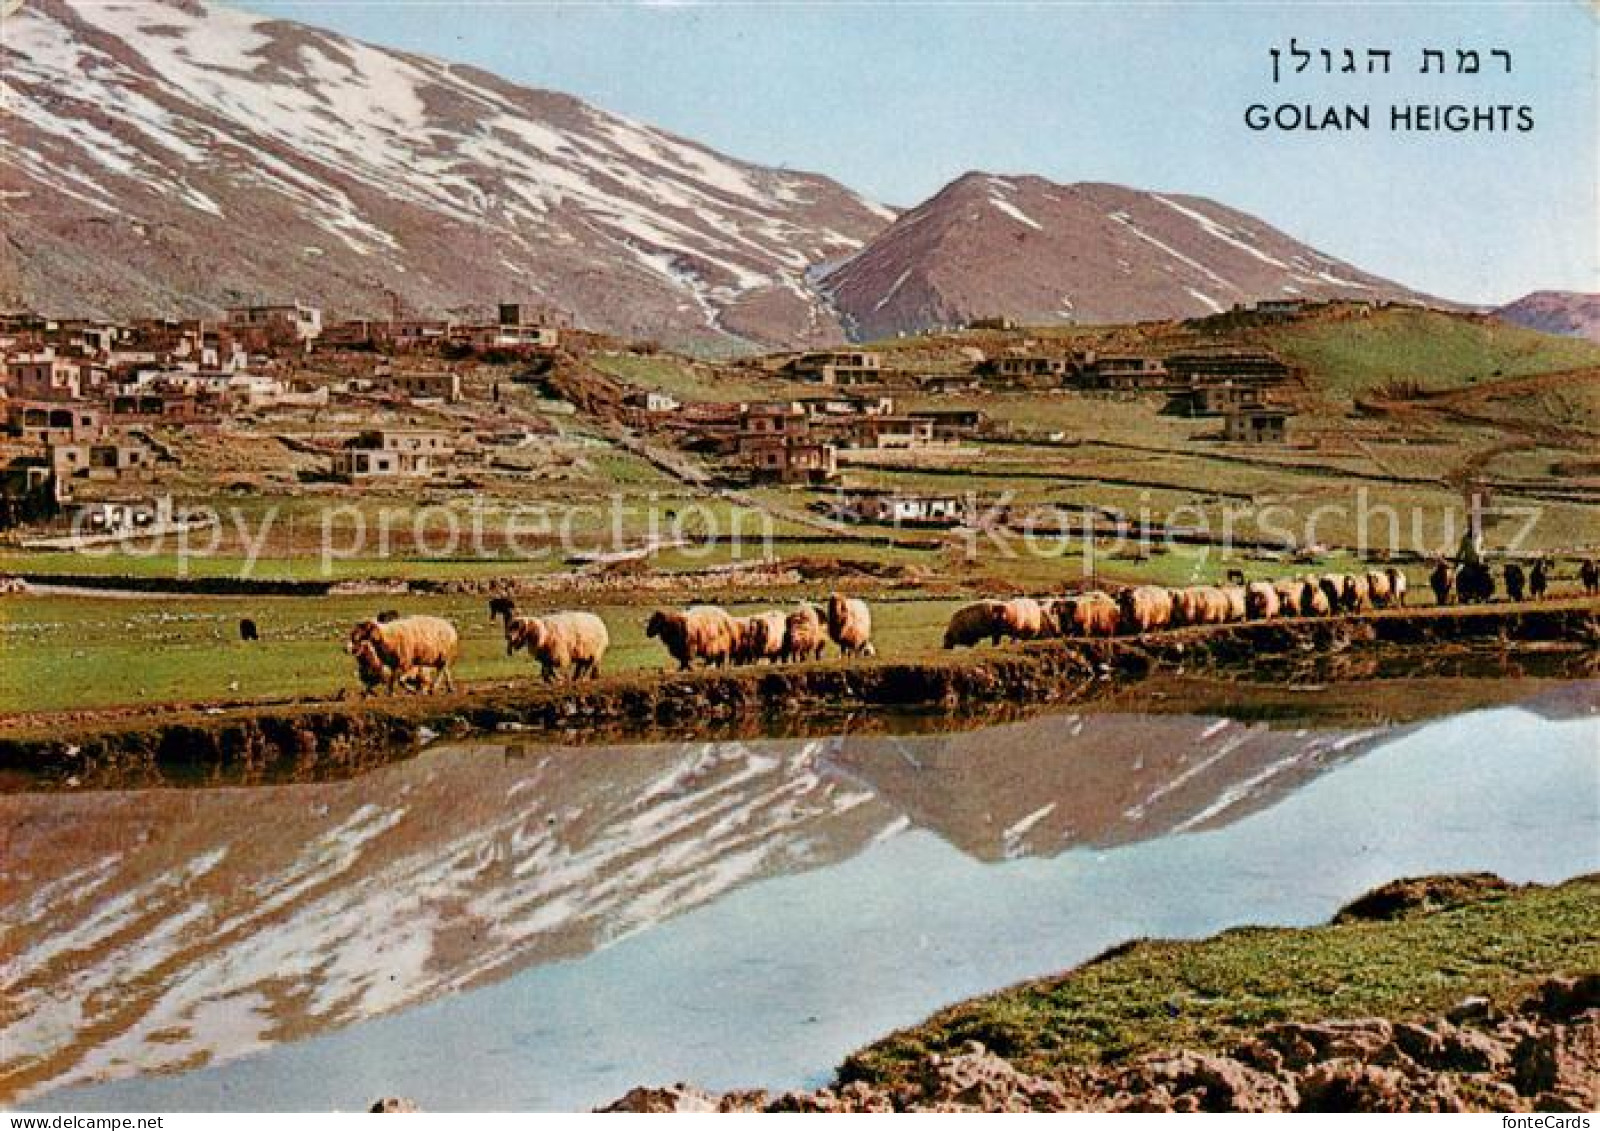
(1516, 581)
(1475, 583)
(1443, 582)
(1378, 589)
(1314, 599)
(1539, 580)
(1235, 597)
(971, 623)
(1188, 606)
(703, 632)
(1354, 593)
(247, 630)
(1291, 597)
(1185, 606)
(1589, 574)
(1145, 608)
(411, 646)
(1332, 586)
(850, 625)
(1211, 604)
(1055, 617)
(1087, 614)
(560, 640)
(1262, 600)
(1023, 618)
(761, 636)
(804, 635)
(745, 639)
(1398, 586)
(372, 671)
(369, 669)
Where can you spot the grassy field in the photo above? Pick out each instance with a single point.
(1210, 995)
(574, 493)
(397, 536)
(1434, 351)
(62, 653)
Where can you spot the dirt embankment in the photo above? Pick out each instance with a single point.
(1529, 1042)
(295, 738)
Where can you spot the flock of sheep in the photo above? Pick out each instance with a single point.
(419, 651)
(1147, 608)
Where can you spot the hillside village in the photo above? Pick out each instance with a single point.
(113, 428)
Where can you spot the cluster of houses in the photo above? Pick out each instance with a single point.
(517, 327)
(799, 441)
(1244, 385)
(79, 398)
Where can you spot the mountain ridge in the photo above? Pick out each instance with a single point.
(1035, 250)
(1573, 314)
(154, 145)
(178, 156)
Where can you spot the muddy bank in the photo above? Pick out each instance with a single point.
(1511, 1036)
(345, 735)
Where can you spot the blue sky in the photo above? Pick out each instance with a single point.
(896, 99)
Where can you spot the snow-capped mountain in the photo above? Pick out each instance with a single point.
(1091, 253)
(178, 155)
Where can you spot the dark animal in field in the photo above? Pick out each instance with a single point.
(1235, 577)
(1332, 586)
(1443, 582)
(1589, 574)
(247, 630)
(1516, 581)
(1475, 583)
(502, 609)
(975, 622)
(1539, 580)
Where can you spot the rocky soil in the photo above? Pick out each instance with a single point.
(1541, 1053)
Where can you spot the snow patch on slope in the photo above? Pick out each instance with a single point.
(1226, 235)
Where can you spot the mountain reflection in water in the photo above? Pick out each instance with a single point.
(161, 930)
